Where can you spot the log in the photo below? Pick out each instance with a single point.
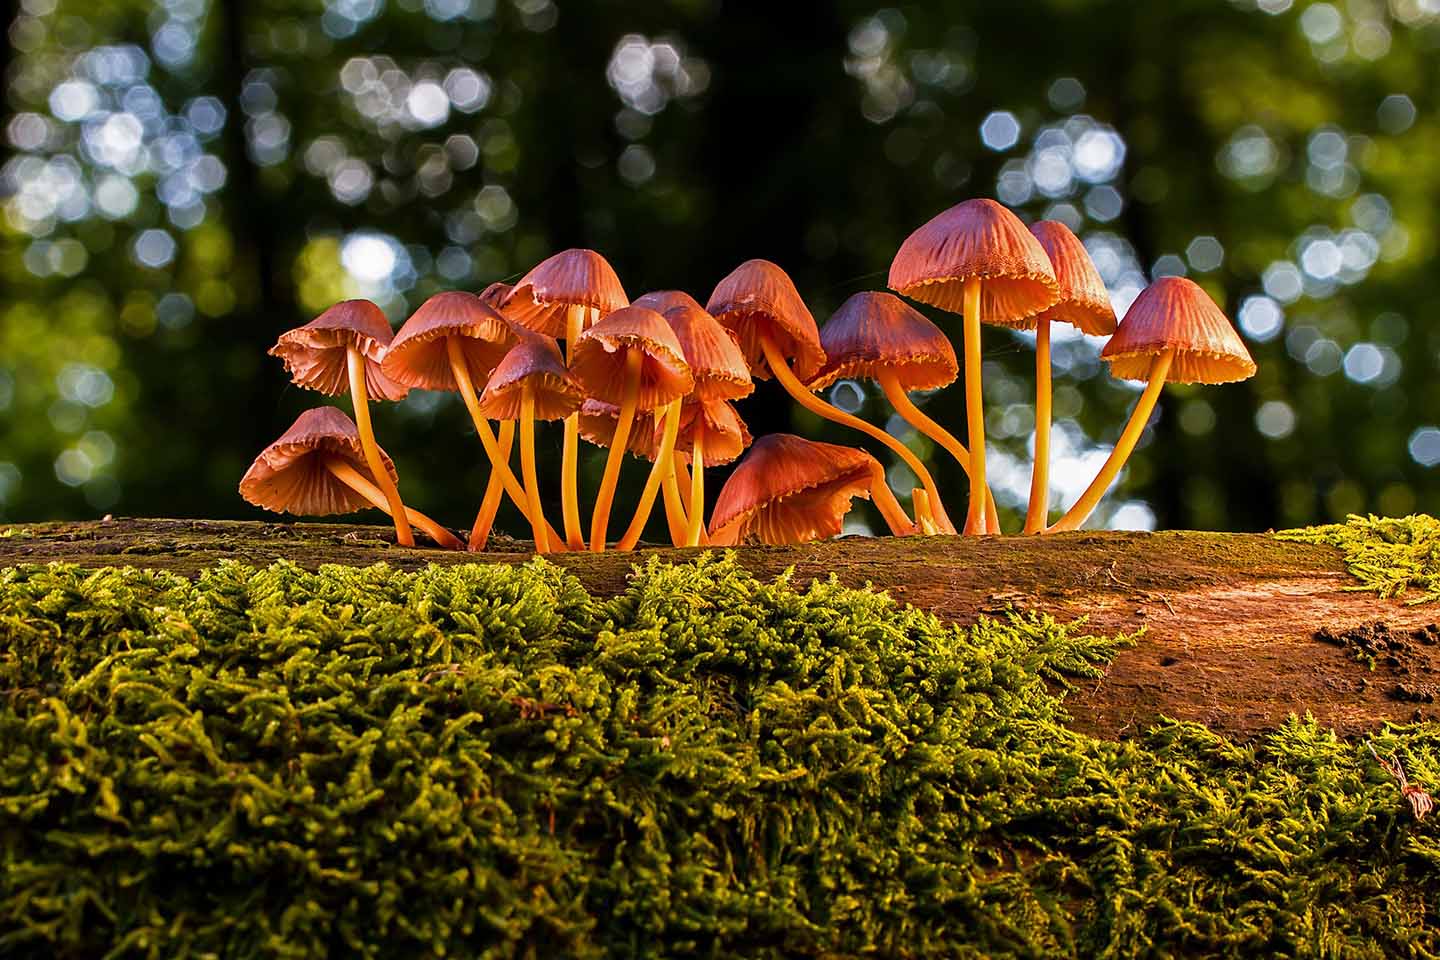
(1230, 621)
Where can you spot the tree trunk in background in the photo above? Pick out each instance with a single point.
(1230, 620)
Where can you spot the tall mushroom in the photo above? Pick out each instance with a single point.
(632, 359)
(320, 467)
(976, 259)
(342, 348)
(759, 305)
(532, 383)
(1175, 333)
(792, 490)
(877, 336)
(721, 374)
(1085, 304)
(560, 297)
(451, 343)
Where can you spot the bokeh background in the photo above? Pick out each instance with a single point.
(186, 179)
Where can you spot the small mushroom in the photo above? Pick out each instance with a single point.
(711, 433)
(531, 382)
(759, 305)
(976, 259)
(721, 374)
(1084, 303)
(877, 336)
(560, 297)
(633, 360)
(451, 343)
(792, 490)
(344, 347)
(1172, 332)
(320, 467)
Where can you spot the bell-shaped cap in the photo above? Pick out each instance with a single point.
(534, 361)
(791, 490)
(418, 357)
(598, 420)
(872, 332)
(977, 238)
(663, 301)
(715, 359)
(759, 299)
(570, 278)
(726, 435)
(597, 360)
(495, 294)
(1174, 313)
(317, 355)
(1084, 302)
(289, 476)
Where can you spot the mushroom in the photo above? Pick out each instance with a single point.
(1172, 332)
(759, 305)
(532, 382)
(343, 347)
(450, 343)
(976, 259)
(319, 467)
(720, 374)
(598, 421)
(1084, 303)
(632, 359)
(877, 336)
(792, 490)
(560, 297)
(711, 433)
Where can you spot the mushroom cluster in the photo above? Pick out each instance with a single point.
(659, 379)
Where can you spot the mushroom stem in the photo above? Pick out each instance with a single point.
(600, 519)
(659, 470)
(918, 419)
(1139, 417)
(920, 500)
(697, 485)
(498, 462)
(527, 467)
(360, 399)
(889, 507)
(356, 481)
(570, 455)
(815, 405)
(1039, 512)
(494, 490)
(974, 407)
(675, 515)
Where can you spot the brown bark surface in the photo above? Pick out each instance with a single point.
(1230, 619)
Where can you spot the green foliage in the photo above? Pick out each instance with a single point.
(487, 761)
(1388, 556)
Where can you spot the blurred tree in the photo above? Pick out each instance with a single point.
(189, 178)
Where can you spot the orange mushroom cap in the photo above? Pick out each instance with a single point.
(494, 295)
(977, 238)
(715, 359)
(289, 476)
(663, 301)
(726, 435)
(570, 278)
(316, 355)
(418, 356)
(1084, 301)
(598, 420)
(791, 490)
(875, 331)
(1174, 313)
(534, 360)
(759, 298)
(597, 359)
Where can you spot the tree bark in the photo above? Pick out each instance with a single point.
(1229, 621)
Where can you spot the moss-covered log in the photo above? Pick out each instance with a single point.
(1240, 630)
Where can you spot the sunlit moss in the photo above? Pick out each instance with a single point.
(489, 761)
(1392, 557)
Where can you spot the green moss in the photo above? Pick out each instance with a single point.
(1391, 557)
(487, 761)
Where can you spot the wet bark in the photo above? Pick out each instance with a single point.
(1229, 620)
